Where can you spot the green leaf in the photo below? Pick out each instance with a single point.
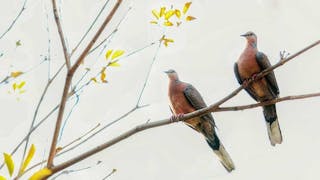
(18, 43)
(9, 163)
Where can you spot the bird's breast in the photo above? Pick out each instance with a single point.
(247, 64)
(180, 105)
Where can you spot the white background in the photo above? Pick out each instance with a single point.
(203, 54)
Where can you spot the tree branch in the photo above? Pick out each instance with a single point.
(96, 36)
(273, 101)
(197, 113)
(15, 19)
(61, 35)
(69, 77)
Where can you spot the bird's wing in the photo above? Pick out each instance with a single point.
(236, 72)
(264, 63)
(195, 100)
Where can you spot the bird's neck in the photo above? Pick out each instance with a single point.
(252, 44)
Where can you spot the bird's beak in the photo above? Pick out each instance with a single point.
(243, 35)
(166, 72)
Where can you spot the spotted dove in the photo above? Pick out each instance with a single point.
(249, 64)
(184, 98)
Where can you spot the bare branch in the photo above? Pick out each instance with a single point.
(148, 74)
(107, 176)
(273, 101)
(69, 77)
(96, 36)
(91, 26)
(62, 148)
(15, 19)
(61, 35)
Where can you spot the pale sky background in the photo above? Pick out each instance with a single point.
(203, 54)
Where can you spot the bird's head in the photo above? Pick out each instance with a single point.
(250, 36)
(172, 74)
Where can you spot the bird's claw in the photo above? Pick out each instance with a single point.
(176, 118)
(254, 77)
(245, 83)
(284, 55)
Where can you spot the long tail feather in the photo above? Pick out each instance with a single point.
(273, 126)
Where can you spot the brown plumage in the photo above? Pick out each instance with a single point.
(184, 98)
(251, 62)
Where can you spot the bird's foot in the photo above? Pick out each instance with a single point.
(283, 55)
(176, 118)
(245, 83)
(254, 76)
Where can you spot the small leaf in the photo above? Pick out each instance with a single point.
(22, 91)
(178, 13)
(166, 41)
(168, 23)
(21, 85)
(116, 54)
(169, 14)
(190, 18)
(162, 11)
(103, 75)
(153, 22)
(9, 162)
(26, 162)
(2, 178)
(109, 52)
(94, 80)
(18, 43)
(155, 14)
(14, 86)
(16, 74)
(114, 64)
(58, 149)
(39, 175)
(186, 7)
(178, 23)
(87, 69)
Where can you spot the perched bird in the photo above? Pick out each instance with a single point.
(184, 98)
(249, 64)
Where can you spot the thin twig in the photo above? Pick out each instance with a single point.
(148, 74)
(15, 19)
(61, 35)
(69, 115)
(71, 171)
(96, 36)
(57, 106)
(41, 121)
(274, 101)
(59, 153)
(69, 77)
(90, 27)
(107, 176)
